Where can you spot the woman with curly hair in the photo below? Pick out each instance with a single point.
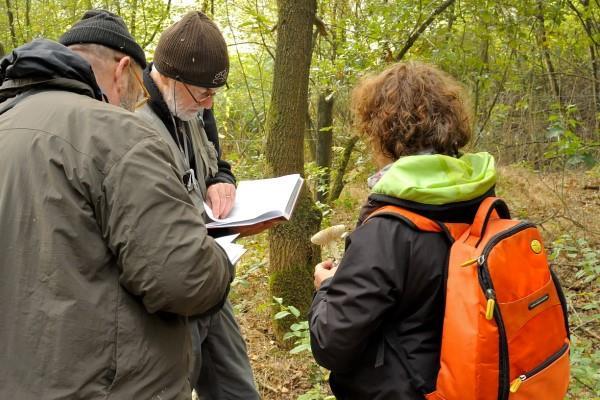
(376, 319)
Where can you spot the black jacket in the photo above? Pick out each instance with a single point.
(377, 323)
(158, 105)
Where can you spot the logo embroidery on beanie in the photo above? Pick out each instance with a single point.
(220, 77)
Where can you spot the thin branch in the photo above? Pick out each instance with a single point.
(496, 97)
(158, 25)
(583, 23)
(239, 57)
(415, 35)
(262, 37)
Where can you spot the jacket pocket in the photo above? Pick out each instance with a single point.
(548, 381)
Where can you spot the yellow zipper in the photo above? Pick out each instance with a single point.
(468, 262)
(491, 302)
(516, 384)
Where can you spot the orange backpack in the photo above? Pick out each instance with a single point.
(505, 333)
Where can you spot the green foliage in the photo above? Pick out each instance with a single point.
(584, 310)
(300, 334)
(585, 257)
(585, 362)
(299, 330)
(566, 145)
(316, 393)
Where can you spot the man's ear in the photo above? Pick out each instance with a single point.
(121, 70)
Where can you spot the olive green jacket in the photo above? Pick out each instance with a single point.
(103, 253)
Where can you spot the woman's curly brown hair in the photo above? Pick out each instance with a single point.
(411, 107)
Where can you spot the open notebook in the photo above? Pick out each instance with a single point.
(233, 250)
(260, 200)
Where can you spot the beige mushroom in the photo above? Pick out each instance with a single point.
(327, 238)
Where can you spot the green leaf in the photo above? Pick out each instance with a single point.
(300, 348)
(294, 311)
(282, 314)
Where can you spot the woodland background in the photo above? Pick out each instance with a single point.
(532, 67)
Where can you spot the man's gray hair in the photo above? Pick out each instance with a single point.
(99, 56)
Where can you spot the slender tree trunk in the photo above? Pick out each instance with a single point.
(292, 256)
(2, 52)
(205, 6)
(27, 34)
(484, 55)
(543, 43)
(451, 18)
(310, 139)
(324, 142)
(596, 86)
(595, 63)
(134, 6)
(338, 180)
(11, 24)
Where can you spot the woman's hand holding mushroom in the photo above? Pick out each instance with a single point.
(327, 238)
(324, 270)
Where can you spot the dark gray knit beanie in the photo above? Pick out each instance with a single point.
(193, 51)
(107, 29)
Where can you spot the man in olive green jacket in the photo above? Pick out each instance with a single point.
(103, 253)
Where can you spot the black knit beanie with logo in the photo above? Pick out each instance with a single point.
(193, 51)
(107, 29)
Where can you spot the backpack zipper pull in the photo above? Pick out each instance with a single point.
(491, 302)
(479, 260)
(514, 386)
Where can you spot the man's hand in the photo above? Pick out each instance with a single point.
(324, 270)
(220, 198)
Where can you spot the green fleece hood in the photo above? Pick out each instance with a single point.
(438, 179)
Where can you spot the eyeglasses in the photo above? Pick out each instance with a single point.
(145, 94)
(207, 94)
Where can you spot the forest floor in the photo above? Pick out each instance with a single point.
(566, 206)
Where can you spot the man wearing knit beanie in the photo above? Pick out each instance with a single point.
(102, 39)
(104, 258)
(106, 29)
(190, 65)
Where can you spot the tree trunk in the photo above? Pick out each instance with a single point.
(338, 180)
(292, 256)
(11, 24)
(27, 35)
(596, 87)
(2, 50)
(543, 43)
(132, 24)
(310, 139)
(595, 63)
(324, 143)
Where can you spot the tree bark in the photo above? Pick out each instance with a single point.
(2, 53)
(292, 256)
(543, 43)
(324, 143)
(132, 24)
(11, 24)
(338, 181)
(27, 34)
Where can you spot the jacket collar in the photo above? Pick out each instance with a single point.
(42, 65)
(463, 211)
(157, 103)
